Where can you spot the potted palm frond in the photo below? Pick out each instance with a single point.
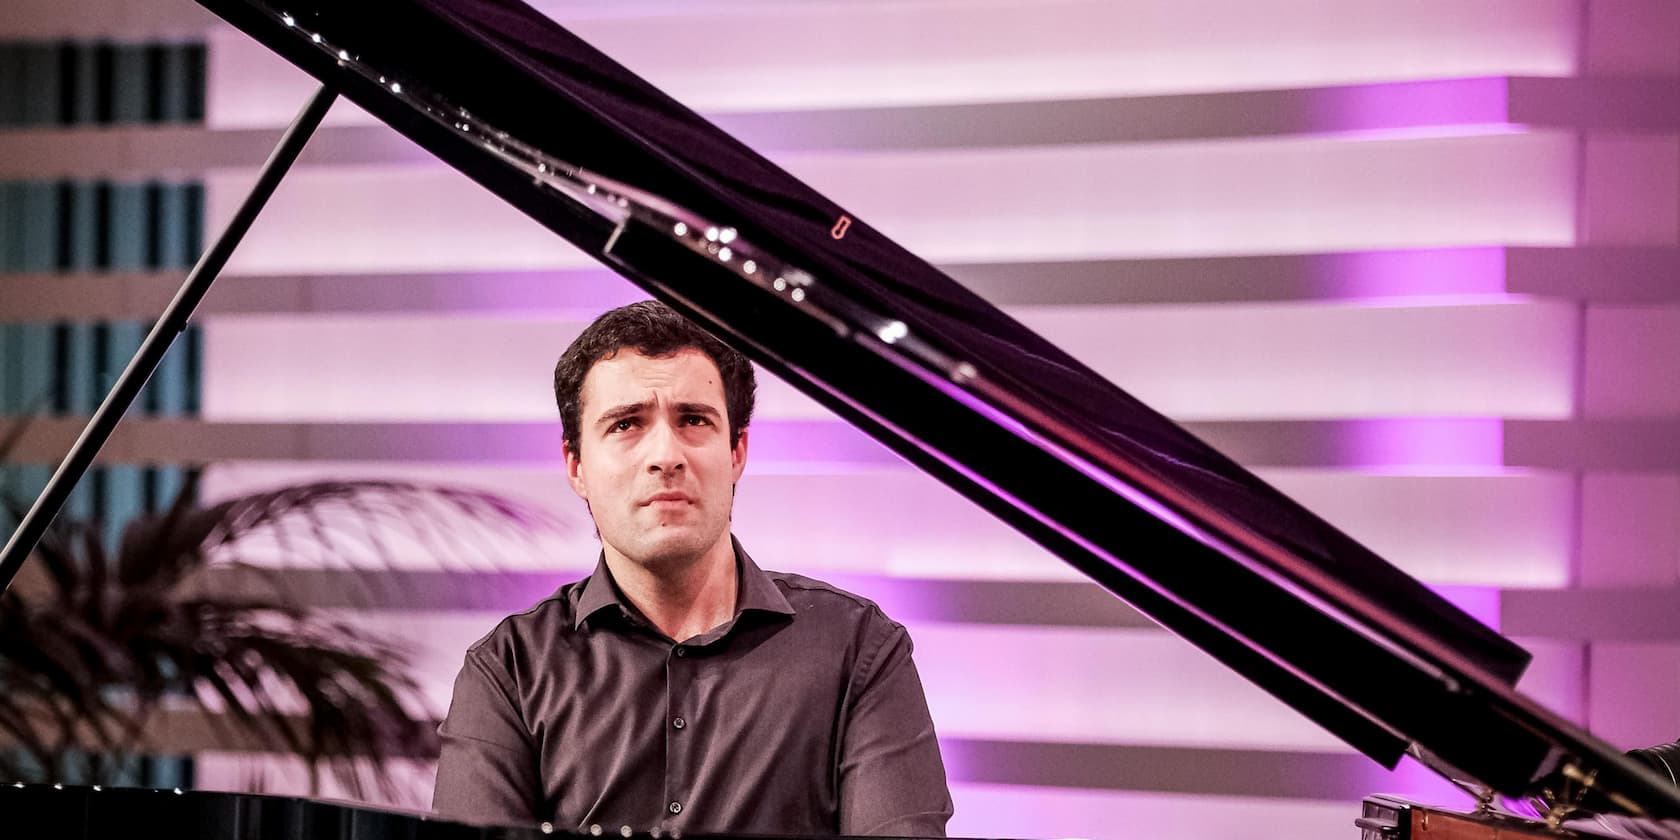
(101, 645)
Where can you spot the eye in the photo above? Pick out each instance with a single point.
(622, 426)
(696, 420)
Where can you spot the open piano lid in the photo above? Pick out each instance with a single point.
(946, 380)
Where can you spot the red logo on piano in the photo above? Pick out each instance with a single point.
(839, 230)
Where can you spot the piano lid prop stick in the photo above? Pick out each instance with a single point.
(169, 325)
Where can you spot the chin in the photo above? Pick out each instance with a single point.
(676, 547)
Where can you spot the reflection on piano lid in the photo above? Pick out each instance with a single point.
(949, 382)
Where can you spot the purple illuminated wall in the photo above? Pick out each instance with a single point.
(1417, 264)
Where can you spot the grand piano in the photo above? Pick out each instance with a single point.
(944, 379)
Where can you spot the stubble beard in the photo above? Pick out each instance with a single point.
(669, 555)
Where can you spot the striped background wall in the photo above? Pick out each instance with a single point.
(1418, 264)
(91, 224)
(94, 224)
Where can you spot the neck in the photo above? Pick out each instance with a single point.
(683, 598)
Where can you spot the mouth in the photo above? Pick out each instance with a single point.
(666, 498)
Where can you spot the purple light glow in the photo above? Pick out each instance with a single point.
(1454, 102)
(1422, 442)
(1479, 602)
(1385, 274)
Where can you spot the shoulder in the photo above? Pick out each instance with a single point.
(875, 644)
(547, 620)
(812, 597)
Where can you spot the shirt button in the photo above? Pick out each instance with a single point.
(682, 651)
(678, 723)
(674, 807)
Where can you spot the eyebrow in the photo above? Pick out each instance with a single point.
(620, 412)
(697, 408)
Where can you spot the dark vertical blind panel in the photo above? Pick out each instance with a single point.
(79, 83)
(104, 82)
(63, 226)
(66, 368)
(193, 83)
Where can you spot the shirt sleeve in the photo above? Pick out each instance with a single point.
(892, 780)
(488, 771)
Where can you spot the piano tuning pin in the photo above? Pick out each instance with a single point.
(547, 827)
(749, 266)
(343, 55)
(680, 229)
(780, 284)
(798, 294)
(288, 20)
(724, 254)
(727, 235)
(594, 830)
(315, 37)
(625, 831)
(712, 234)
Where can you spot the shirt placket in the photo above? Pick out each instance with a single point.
(679, 751)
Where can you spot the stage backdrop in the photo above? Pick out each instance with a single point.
(1416, 263)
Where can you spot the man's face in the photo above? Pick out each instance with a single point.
(654, 460)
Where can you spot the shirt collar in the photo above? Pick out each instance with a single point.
(754, 590)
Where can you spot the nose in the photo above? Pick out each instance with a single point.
(665, 451)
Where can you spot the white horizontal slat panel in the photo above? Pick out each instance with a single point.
(1283, 361)
(403, 368)
(1299, 361)
(828, 54)
(1259, 196)
(1491, 530)
(1503, 529)
(1088, 686)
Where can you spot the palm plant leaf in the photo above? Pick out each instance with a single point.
(102, 641)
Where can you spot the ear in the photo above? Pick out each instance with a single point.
(574, 475)
(738, 456)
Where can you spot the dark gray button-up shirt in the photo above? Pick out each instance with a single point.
(803, 714)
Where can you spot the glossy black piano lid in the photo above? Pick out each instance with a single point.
(1268, 588)
(69, 812)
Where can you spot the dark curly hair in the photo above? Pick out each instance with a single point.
(652, 329)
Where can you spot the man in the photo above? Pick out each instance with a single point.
(679, 687)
